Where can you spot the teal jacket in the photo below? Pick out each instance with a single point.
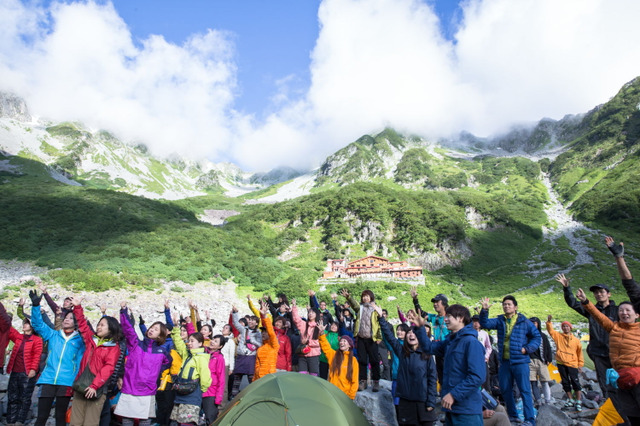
(65, 352)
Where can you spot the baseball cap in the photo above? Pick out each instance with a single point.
(440, 297)
(599, 286)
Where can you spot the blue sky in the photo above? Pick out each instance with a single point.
(288, 82)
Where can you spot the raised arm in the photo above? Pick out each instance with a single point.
(167, 315)
(569, 298)
(83, 327)
(632, 288)
(127, 328)
(485, 321)
(268, 324)
(602, 319)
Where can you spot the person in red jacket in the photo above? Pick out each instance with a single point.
(100, 357)
(22, 367)
(284, 353)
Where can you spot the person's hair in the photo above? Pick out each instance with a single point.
(459, 311)
(208, 327)
(316, 331)
(510, 297)
(255, 318)
(284, 298)
(346, 310)
(407, 349)
(336, 364)
(385, 311)
(164, 332)
(317, 312)
(280, 319)
(372, 297)
(626, 302)
(198, 336)
(115, 329)
(403, 327)
(221, 339)
(75, 321)
(243, 321)
(536, 320)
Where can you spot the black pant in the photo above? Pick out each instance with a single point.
(210, 408)
(44, 409)
(368, 354)
(164, 400)
(19, 393)
(386, 363)
(324, 370)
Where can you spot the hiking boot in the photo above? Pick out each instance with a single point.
(568, 404)
(578, 406)
(376, 386)
(515, 420)
(362, 386)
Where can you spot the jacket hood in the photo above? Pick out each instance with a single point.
(467, 330)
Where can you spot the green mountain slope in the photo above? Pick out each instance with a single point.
(600, 173)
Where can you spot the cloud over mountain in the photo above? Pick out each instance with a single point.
(375, 63)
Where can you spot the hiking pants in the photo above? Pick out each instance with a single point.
(520, 373)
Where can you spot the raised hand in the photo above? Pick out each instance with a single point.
(377, 308)
(485, 303)
(264, 308)
(344, 292)
(549, 318)
(321, 326)
(562, 280)
(414, 291)
(311, 293)
(334, 296)
(35, 298)
(293, 303)
(123, 305)
(234, 309)
(21, 301)
(581, 296)
(166, 304)
(76, 301)
(616, 249)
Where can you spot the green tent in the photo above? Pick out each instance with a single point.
(286, 398)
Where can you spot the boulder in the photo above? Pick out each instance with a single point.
(550, 415)
(378, 406)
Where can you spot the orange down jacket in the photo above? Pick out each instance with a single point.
(624, 339)
(568, 348)
(267, 354)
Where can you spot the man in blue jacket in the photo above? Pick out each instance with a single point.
(464, 368)
(517, 338)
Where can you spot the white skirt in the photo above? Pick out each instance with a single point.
(136, 407)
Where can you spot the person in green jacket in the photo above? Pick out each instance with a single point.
(332, 336)
(195, 366)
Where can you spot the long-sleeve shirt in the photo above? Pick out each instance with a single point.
(568, 348)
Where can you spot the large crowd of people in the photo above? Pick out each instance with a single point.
(181, 373)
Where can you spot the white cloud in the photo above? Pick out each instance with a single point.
(376, 63)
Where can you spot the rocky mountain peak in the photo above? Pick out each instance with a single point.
(13, 107)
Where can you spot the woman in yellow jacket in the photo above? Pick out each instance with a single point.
(267, 354)
(195, 366)
(343, 367)
(570, 361)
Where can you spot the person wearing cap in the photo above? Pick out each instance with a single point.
(438, 326)
(343, 367)
(598, 348)
(517, 338)
(570, 361)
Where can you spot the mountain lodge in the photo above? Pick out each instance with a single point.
(370, 266)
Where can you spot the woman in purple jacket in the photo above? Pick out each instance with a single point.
(146, 359)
